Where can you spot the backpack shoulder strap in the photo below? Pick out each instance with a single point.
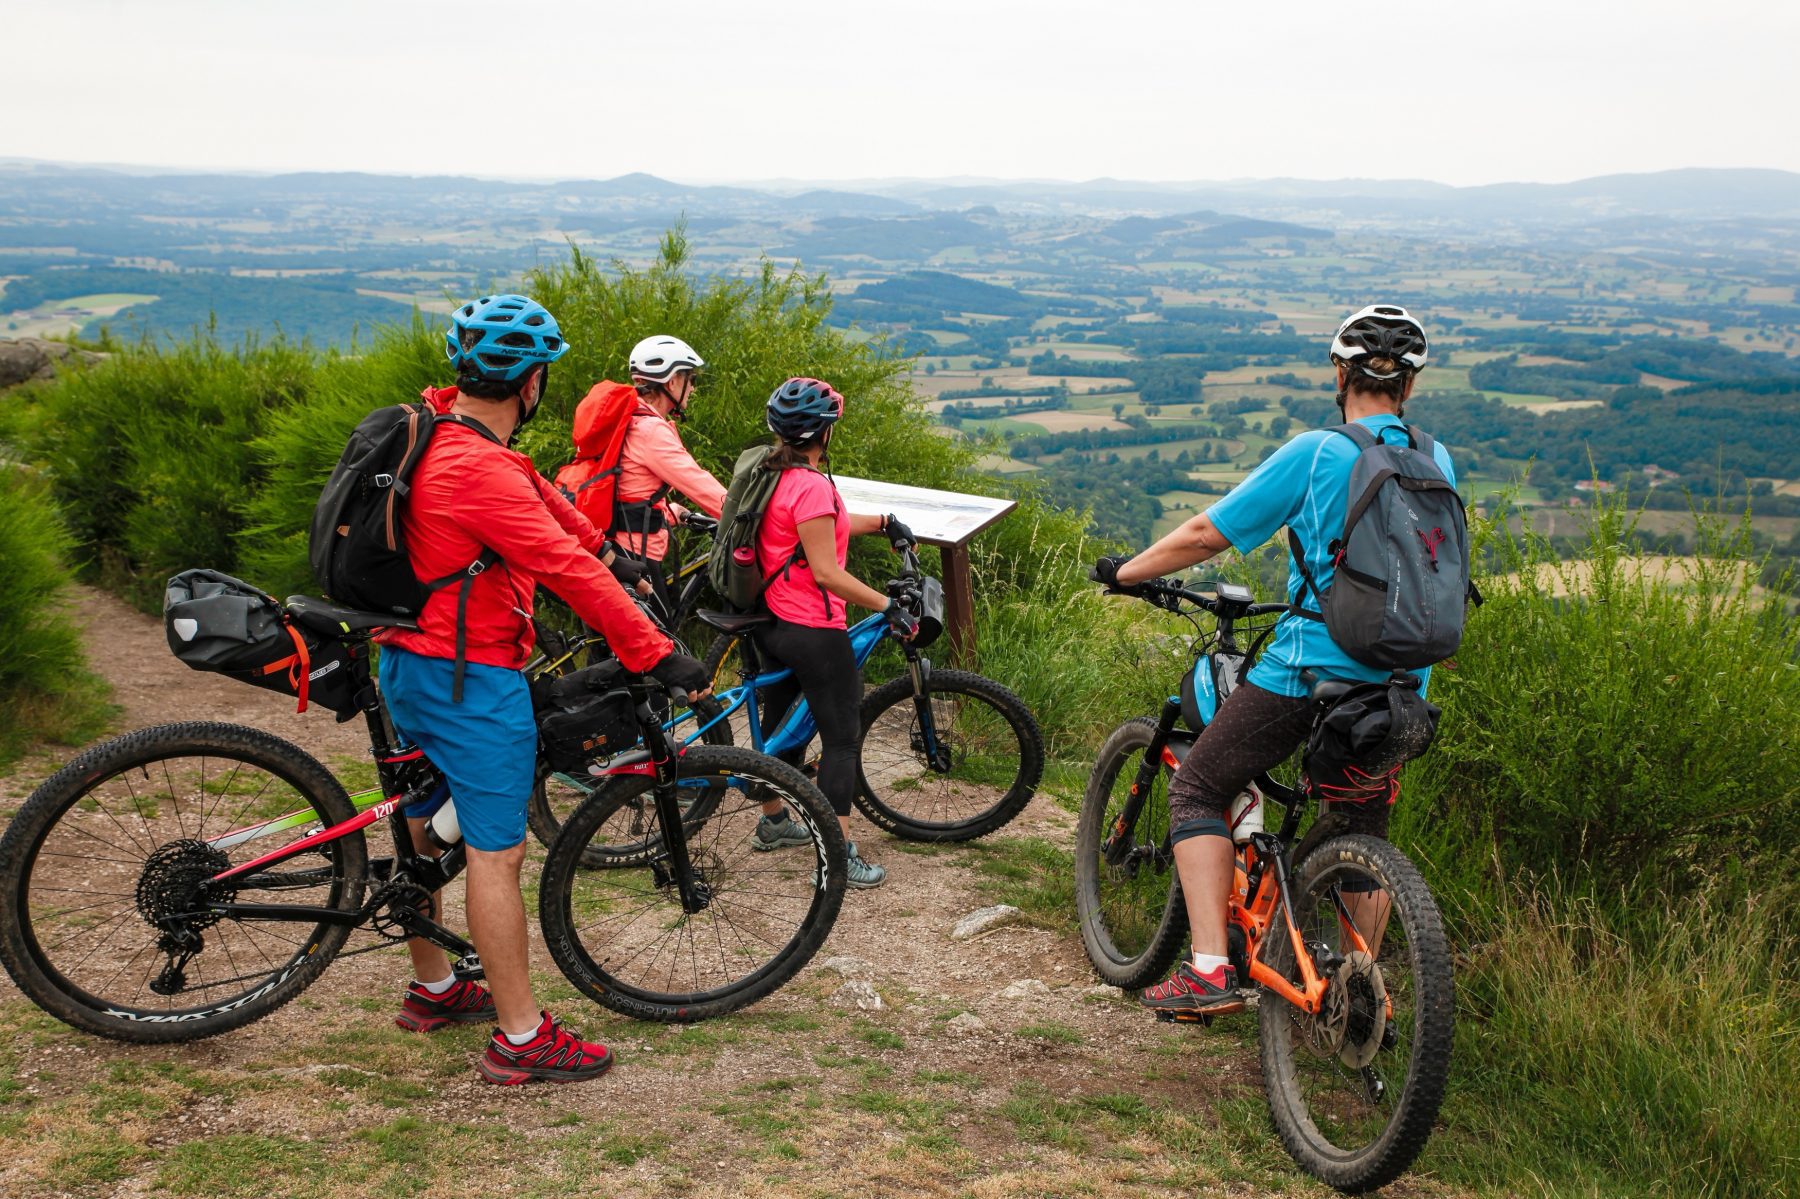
(1307, 583)
(458, 418)
(1358, 433)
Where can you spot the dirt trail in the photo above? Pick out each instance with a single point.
(1068, 1090)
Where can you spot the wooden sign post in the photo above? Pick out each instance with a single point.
(946, 519)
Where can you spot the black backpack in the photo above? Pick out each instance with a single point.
(357, 543)
(1401, 585)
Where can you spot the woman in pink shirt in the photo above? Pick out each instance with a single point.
(653, 462)
(801, 550)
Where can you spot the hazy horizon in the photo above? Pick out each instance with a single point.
(795, 183)
(708, 92)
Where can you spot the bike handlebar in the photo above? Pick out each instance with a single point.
(1168, 593)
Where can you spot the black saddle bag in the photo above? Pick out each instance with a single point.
(224, 625)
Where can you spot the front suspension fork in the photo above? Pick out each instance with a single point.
(918, 668)
(1119, 839)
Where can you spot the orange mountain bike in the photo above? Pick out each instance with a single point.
(1338, 936)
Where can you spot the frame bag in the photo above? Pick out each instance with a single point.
(584, 715)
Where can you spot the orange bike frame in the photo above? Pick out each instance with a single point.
(1255, 916)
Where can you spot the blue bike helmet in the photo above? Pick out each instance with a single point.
(500, 338)
(800, 409)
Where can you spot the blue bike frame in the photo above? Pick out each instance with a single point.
(798, 728)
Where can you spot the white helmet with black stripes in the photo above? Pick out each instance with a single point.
(1381, 331)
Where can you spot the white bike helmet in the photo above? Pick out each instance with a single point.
(1381, 331)
(656, 358)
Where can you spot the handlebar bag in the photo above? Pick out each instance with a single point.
(930, 611)
(584, 716)
(223, 625)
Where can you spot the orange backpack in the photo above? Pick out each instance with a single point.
(591, 481)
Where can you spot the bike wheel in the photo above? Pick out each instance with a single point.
(1354, 1090)
(1132, 917)
(557, 793)
(128, 834)
(620, 933)
(990, 757)
(724, 664)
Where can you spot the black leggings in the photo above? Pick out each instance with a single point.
(825, 672)
(1253, 731)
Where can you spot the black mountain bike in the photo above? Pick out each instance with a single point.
(1338, 935)
(187, 879)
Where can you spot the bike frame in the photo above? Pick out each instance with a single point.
(1261, 903)
(798, 727)
(407, 779)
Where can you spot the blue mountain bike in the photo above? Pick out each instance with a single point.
(947, 755)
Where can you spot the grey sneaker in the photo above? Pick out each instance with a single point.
(861, 873)
(779, 832)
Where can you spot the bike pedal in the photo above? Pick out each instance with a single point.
(469, 968)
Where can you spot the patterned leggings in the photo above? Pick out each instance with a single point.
(1253, 731)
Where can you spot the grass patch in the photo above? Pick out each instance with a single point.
(1050, 1033)
(1034, 875)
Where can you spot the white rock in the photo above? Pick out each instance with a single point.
(849, 967)
(965, 1025)
(1025, 988)
(982, 920)
(860, 995)
(1101, 991)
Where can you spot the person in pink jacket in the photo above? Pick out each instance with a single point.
(654, 462)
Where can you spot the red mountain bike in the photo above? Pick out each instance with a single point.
(187, 879)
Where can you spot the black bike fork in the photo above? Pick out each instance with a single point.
(694, 892)
(1119, 840)
(918, 666)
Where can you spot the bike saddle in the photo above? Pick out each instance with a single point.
(1326, 691)
(334, 620)
(734, 622)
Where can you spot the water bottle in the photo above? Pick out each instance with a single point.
(1246, 815)
(444, 829)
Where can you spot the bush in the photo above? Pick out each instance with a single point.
(149, 454)
(1633, 731)
(46, 691)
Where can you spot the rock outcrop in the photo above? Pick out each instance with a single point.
(26, 358)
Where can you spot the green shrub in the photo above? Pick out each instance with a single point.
(46, 691)
(150, 457)
(302, 441)
(1631, 731)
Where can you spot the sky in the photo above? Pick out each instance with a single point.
(713, 91)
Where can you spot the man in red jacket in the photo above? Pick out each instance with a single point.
(472, 494)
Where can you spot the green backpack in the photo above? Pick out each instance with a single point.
(733, 570)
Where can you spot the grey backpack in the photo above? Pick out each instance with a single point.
(1401, 584)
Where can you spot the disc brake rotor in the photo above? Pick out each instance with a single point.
(1354, 1015)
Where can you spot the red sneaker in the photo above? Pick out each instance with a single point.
(1214, 993)
(554, 1055)
(464, 1003)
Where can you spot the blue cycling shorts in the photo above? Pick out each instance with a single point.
(486, 746)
